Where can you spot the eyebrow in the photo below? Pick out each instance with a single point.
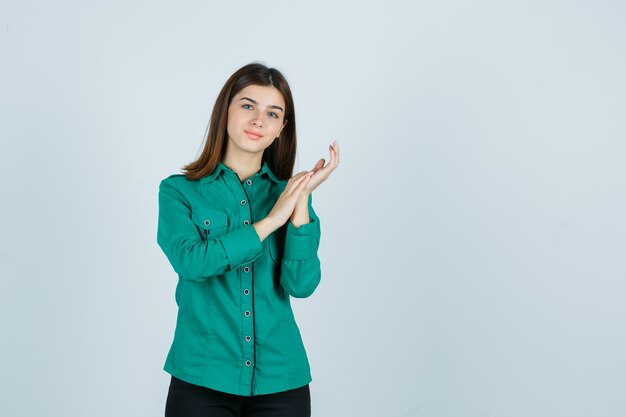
(271, 106)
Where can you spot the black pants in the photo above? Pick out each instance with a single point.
(189, 400)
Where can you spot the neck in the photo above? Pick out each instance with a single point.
(245, 165)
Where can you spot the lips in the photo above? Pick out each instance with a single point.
(253, 135)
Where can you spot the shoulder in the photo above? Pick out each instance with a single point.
(178, 186)
(174, 177)
(177, 180)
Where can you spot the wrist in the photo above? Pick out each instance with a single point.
(269, 224)
(300, 214)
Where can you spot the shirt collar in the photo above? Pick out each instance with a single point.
(221, 167)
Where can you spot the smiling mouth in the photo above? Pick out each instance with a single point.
(253, 136)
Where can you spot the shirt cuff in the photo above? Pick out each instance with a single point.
(301, 243)
(242, 246)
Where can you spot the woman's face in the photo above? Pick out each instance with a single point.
(255, 118)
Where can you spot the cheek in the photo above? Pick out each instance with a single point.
(231, 129)
(233, 121)
(277, 125)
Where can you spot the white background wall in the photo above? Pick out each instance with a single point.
(473, 237)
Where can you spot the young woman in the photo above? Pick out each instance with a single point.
(242, 235)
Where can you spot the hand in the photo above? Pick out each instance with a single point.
(287, 200)
(321, 172)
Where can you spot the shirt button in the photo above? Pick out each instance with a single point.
(248, 363)
(247, 313)
(207, 222)
(246, 222)
(246, 291)
(246, 269)
(243, 202)
(248, 338)
(249, 182)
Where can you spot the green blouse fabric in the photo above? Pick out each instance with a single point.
(235, 329)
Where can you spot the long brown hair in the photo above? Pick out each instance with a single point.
(280, 155)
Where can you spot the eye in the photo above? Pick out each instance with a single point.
(244, 105)
(274, 115)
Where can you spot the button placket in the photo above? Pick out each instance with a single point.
(247, 284)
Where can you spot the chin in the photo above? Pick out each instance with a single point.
(253, 147)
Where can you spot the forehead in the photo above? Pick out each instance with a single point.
(265, 95)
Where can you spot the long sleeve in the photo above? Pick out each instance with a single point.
(191, 256)
(300, 267)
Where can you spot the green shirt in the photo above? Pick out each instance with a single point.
(235, 329)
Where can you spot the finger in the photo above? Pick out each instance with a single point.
(297, 175)
(335, 149)
(294, 186)
(333, 160)
(302, 184)
(319, 165)
(295, 178)
(333, 155)
(301, 175)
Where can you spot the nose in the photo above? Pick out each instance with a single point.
(257, 120)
